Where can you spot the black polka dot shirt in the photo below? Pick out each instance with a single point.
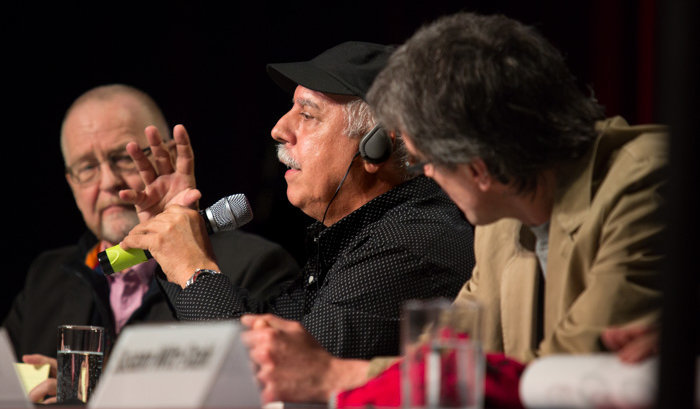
(409, 243)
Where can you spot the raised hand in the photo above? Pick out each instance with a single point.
(166, 181)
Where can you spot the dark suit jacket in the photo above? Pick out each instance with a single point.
(61, 289)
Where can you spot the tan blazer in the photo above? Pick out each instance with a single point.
(604, 259)
(604, 255)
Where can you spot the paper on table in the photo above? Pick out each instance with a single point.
(32, 375)
(578, 381)
(294, 405)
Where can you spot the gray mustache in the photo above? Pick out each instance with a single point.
(284, 157)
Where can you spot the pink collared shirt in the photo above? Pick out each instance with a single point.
(126, 290)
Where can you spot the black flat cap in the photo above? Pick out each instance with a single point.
(346, 69)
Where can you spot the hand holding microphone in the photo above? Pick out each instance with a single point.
(175, 234)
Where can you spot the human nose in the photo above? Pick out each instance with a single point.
(282, 131)
(109, 177)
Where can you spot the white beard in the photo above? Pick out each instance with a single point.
(116, 226)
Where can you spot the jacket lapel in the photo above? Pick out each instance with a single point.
(519, 296)
(572, 204)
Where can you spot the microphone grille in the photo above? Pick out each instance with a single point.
(230, 213)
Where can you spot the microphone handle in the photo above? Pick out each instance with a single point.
(207, 223)
(116, 259)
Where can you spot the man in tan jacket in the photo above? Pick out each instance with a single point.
(568, 205)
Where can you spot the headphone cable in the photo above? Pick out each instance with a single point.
(338, 188)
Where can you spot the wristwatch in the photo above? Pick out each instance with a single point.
(198, 272)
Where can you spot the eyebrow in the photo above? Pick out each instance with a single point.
(306, 102)
(91, 155)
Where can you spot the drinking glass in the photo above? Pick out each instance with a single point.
(80, 356)
(443, 365)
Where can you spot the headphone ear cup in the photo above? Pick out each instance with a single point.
(376, 146)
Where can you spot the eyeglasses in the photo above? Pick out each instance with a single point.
(88, 171)
(416, 169)
(415, 166)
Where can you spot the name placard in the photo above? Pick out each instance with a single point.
(12, 393)
(181, 365)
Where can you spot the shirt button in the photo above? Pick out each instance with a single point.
(311, 279)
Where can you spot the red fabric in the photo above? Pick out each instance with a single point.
(502, 381)
(384, 391)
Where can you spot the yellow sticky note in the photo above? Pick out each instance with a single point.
(32, 375)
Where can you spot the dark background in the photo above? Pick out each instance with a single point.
(204, 63)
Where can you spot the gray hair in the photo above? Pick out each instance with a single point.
(470, 86)
(359, 120)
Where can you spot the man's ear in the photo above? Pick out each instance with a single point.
(372, 167)
(480, 174)
(375, 167)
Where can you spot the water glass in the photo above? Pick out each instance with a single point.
(443, 365)
(80, 355)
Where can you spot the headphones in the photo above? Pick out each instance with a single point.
(376, 146)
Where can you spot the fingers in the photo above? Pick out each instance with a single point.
(134, 197)
(177, 239)
(143, 165)
(192, 196)
(269, 392)
(632, 344)
(640, 348)
(249, 319)
(258, 340)
(255, 320)
(184, 161)
(262, 355)
(261, 338)
(144, 235)
(265, 375)
(616, 338)
(611, 339)
(47, 387)
(161, 155)
(276, 322)
(187, 198)
(38, 359)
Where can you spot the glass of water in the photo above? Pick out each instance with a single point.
(443, 365)
(80, 356)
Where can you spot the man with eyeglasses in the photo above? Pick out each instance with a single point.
(66, 285)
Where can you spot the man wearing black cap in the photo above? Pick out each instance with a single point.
(380, 236)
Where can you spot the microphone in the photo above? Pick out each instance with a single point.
(228, 213)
